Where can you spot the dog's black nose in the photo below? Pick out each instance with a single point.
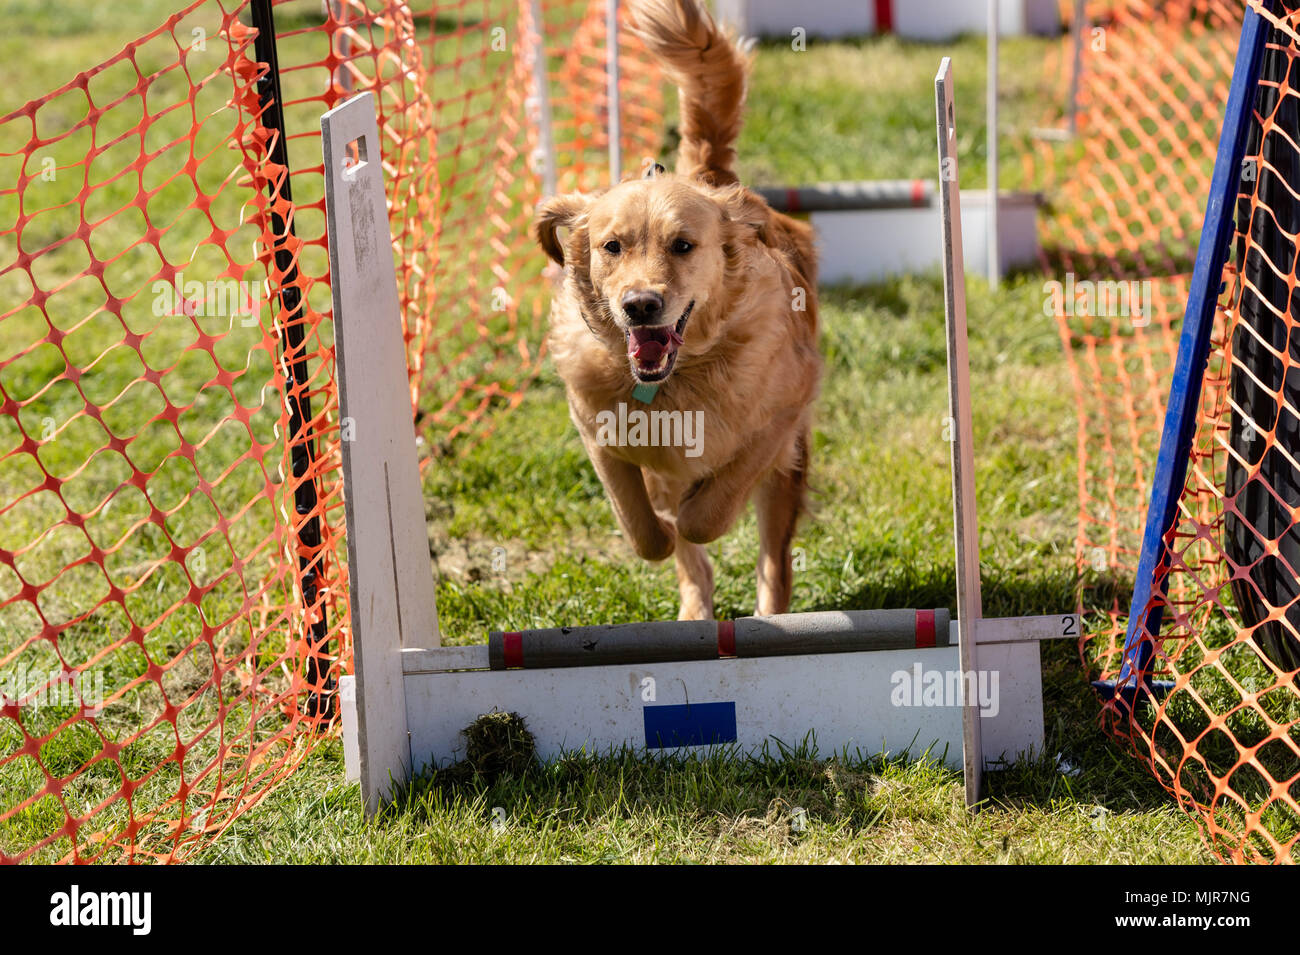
(643, 306)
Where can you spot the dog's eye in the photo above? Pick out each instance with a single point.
(612, 247)
(681, 247)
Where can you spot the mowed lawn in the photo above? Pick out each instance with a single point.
(879, 536)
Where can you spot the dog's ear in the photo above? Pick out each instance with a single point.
(554, 214)
(745, 210)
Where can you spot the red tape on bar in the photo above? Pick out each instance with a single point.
(884, 16)
(726, 638)
(792, 200)
(513, 643)
(925, 628)
(918, 192)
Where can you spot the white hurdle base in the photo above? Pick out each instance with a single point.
(881, 702)
(844, 699)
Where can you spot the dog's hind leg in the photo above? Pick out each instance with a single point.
(778, 503)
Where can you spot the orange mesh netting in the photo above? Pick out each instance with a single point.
(172, 589)
(1130, 194)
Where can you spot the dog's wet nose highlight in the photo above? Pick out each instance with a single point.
(643, 307)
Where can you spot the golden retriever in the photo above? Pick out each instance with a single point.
(690, 291)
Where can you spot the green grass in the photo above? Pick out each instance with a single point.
(621, 808)
(880, 533)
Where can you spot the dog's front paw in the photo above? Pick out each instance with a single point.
(699, 519)
(654, 543)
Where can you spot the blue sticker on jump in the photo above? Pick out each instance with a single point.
(689, 724)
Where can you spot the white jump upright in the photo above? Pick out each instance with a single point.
(391, 596)
(538, 103)
(991, 100)
(966, 531)
(869, 682)
(613, 96)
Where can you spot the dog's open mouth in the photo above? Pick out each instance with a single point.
(652, 349)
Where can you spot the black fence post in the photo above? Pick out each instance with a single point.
(294, 362)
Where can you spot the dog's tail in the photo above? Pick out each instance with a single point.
(709, 70)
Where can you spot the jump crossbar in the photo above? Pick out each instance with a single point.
(663, 641)
(840, 196)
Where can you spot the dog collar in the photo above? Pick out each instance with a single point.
(645, 393)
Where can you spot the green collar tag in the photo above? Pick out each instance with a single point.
(645, 393)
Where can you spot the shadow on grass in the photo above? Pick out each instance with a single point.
(1080, 762)
(777, 790)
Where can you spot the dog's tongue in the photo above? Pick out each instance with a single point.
(648, 343)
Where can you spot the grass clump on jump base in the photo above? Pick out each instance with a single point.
(498, 745)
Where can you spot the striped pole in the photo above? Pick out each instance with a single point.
(665, 641)
(850, 196)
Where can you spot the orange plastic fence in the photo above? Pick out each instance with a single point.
(153, 634)
(1130, 193)
(155, 657)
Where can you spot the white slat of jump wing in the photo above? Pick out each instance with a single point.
(348, 716)
(847, 699)
(1057, 626)
(963, 459)
(1011, 714)
(1009, 691)
(440, 659)
(1011, 710)
(391, 586)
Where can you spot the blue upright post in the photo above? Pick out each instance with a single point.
(1193, 354)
